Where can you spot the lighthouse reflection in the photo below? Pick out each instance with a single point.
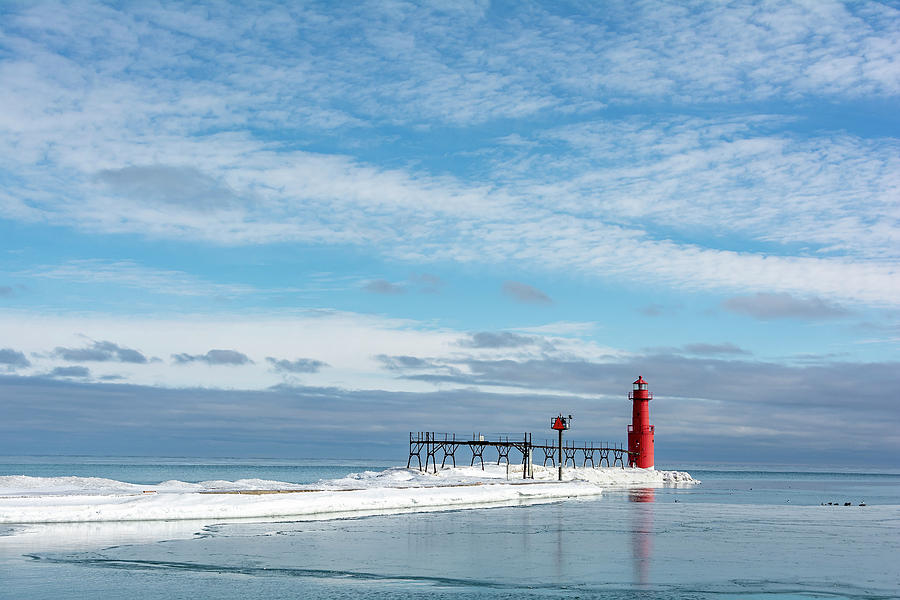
(642, 495)
(642, 533)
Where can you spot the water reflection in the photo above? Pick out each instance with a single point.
(642, 495)
(642, 533)
(57, 537)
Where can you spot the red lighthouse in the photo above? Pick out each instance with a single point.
(640, 432)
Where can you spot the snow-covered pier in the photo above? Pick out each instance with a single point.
(88, 499)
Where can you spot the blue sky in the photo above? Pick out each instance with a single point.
(251, 229)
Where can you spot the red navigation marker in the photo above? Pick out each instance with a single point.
(560, 424)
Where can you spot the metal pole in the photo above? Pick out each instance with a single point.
(526, 460)
(530, 459)
(560, 454)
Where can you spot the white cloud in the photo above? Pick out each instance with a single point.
(110, 132)
(737, 177)
(602, 223)
(231, 351)
(837, 197)
(422, 65)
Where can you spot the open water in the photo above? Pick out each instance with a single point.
(745, 532)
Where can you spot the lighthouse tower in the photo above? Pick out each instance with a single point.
(640, 432)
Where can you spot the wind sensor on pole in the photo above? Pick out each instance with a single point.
(560, 424)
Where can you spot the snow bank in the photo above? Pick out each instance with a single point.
(607, 477)
(79, 499)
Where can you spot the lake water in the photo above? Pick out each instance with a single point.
(745, 532)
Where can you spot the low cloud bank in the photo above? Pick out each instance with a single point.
(704, 410)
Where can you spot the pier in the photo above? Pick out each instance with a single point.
(446, 444)
(638, 454)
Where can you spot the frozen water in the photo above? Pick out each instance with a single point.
(748, 534)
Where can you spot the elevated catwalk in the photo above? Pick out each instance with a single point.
(431, 443)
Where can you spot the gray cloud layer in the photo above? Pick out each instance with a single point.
(703, 411)
(80, 372)
(162, 184)
(13, 358)
(429, 284)
(814, 386)
(400, 363)
(382, 286)
(300, 365)
(214, 357)
(713, 349)
(526, 294)
(652, 310)
(498, 339)
(100, 352)
(783, 306)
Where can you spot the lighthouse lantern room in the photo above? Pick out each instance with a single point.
(640, 432)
